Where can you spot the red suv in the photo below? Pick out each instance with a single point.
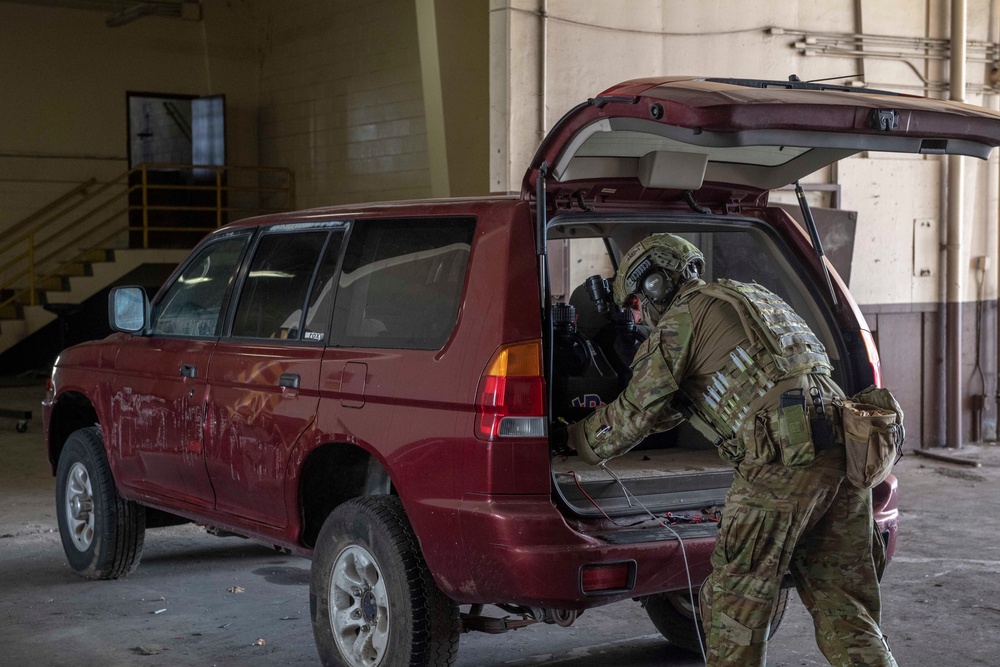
(374, 386)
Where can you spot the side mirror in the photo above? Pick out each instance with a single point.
(128, 309)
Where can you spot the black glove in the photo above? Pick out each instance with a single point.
(559, 439)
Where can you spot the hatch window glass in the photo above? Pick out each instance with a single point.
(274, 292)
(401, 284)
(192, 305)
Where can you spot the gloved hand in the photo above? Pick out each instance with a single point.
(578, 443)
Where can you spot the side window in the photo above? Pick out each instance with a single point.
(401, 284)
(192, 304)
(274, 292)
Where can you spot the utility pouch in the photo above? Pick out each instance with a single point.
(873, 441)
(821, 427)
(732, 451)
(762, 446)
(794, 433)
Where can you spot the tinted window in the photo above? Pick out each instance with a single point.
(192, 304)
(274, 292)
(402, 282)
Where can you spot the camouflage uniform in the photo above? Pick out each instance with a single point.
(726, 352)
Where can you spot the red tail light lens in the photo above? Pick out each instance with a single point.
(511, 400)
(873, 358)
(606, 578)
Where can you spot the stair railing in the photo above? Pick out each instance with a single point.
(67, 230)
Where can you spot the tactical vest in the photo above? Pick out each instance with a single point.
(781, 346)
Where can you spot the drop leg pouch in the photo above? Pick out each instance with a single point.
(871, 441)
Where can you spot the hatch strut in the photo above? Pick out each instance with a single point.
(814, 235)
(541, 249)
(540, 222)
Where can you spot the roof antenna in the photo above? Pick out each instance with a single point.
(833, 78)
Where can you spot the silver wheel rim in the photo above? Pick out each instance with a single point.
(682, 603)
(359, 607)
(79, 507)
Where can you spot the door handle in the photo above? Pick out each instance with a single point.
(189, 370)
(289, 380)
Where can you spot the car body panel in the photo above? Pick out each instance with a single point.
(254, 423)
(158, 429)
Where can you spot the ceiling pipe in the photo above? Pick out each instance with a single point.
(993, 199)
(956, 267)
(543, 68)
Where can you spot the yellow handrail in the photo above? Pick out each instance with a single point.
(21, 224)
(56, 236)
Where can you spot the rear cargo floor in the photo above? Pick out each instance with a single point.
(670, 479)
(646, 464)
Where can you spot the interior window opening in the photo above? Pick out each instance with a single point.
(276, 286)
(192, 305)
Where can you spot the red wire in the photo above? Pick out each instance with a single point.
(594, 503)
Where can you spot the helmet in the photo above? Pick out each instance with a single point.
(654, 268)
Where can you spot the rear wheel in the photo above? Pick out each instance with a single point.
(102, 534)
(680, 624)
(373, 600)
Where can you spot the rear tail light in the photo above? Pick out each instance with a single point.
(511, 397)
(607, 578)
(873, 358)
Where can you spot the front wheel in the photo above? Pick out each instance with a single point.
(681, 625)
(102, 534)
(372, 599)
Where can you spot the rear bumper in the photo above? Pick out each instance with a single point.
(521, 550)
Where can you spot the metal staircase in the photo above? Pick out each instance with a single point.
(93, 235)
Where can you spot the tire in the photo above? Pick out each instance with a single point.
(372, 599)
(102, 534)
(672, 615)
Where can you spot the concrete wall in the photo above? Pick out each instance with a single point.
(341, 100)
(64, 76)
(334, 90)
(349, 90)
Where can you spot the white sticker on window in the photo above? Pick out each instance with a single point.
(313, 335)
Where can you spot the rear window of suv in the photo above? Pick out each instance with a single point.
(401, 283)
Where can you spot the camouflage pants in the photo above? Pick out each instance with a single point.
(809, 521)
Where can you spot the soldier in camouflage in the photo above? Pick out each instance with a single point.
(728, 356)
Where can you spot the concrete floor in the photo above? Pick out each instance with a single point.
(942, 601)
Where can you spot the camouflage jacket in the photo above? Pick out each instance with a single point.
(702, 350)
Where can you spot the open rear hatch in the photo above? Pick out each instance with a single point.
(644, 145)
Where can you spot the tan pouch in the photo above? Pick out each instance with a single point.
(795, 437)
(872, 441)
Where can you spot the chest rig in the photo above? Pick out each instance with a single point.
(781, 345)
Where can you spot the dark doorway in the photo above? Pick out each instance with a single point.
(173, 135)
